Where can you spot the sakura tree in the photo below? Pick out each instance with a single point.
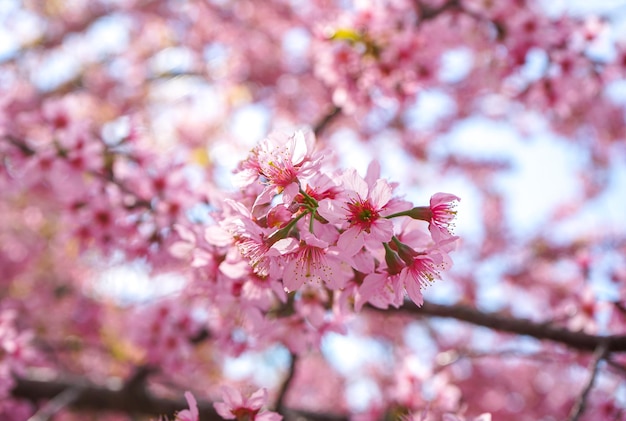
(323, 210)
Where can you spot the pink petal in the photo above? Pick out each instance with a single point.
(333, 274)
(245, 177)
(380, 194)
(235, 270)
(193, 406)
(331, 211)
(285, 246)
(223, 410)
(382, 230)
(181, 249)
(412, 287)
(232, 397)
(373, 172)
(269, 416)
(299, 148)
(290, 192)
(258, 399)
(185, 233)
(293, 275)
(369, 290)
(353, 181)
(217, 236)
(439, 198)
(312, 240)
(351, 241)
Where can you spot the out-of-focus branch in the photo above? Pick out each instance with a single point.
(579, 407)
(284, 388)
(106, 398)
(326, 120)
(130, 400)
(545, 331)
(426, 12)
(138, 400)
(56, 404)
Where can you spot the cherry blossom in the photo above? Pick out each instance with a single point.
(236, 406)
(362, 212)
(190, 414)
(280, 160)
(310, 261)
(186, 204)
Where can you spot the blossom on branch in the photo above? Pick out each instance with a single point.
(280, 160)
(236, 406)
(361, 210)
(310, 226)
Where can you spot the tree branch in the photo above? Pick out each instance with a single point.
(53, 406)
(105, 398)
(425, 12)
(90, 397)
(579, 407)
(280, 402)
(543, 331)
(135, 400)
(326, 120)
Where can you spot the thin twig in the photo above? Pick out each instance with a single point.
(284, 388)
(325, 121)
(579, 407)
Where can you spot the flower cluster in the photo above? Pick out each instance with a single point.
(297, 223)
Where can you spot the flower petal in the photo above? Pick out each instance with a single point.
(351, 241)
(258, 399)
(353, 181)
(380, 193)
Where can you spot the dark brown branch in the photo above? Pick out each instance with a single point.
(425, 12)
(280, 402)
(56, 404)
(22, 146)
(326, 120)
(544, 331)
(579, 407)
(105, 398)
(127, 400)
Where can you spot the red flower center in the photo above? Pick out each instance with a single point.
(362, 214)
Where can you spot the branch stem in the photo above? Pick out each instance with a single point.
(580, 405)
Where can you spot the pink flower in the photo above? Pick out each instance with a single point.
(190, 414)
(280, 160)
(252, 241)
(310, 261)
(443, 212)
(235, 406)
(380, 290)
(421, 270)
(440, 215)
(361, 211)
